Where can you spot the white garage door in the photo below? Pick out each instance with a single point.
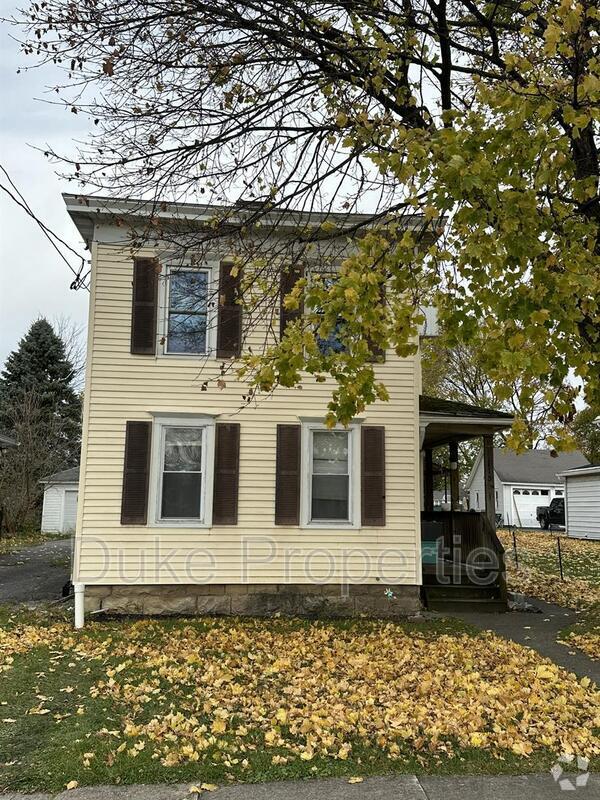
(525, 503)
(70, 515)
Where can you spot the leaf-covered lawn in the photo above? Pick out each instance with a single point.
(585, 633)
(218, 700)
(14, 542)
(538, 573)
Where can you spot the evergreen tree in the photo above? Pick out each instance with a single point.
(40, 366)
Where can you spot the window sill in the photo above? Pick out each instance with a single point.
(209, 354)
(178, 523)
(326, 526)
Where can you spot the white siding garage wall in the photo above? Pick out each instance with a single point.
(70, 510)
(52, 509)
(59, 511)
(583, 503)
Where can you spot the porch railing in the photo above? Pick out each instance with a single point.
(471, 534)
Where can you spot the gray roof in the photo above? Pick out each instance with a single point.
(535, 466)
(66, 476)
(452, 408)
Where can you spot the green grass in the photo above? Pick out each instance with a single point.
(46, 752)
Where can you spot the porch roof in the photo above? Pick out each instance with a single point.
(444, 421)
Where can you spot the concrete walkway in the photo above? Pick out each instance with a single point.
(402, 787)
(538, 631)
(35, 573)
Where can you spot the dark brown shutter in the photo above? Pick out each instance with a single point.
(227, 473)
(287, 480)
(377, 353)
(289, 278)
(229, 327)
(136, 470)
(144, 302)
(372, 488)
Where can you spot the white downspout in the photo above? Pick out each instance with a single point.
(79, 589)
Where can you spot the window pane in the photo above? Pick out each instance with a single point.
(181, 492)
(330, 497)
(183, 450)
(330, 453)
(333, 343)
(188, 291)
(187, 333)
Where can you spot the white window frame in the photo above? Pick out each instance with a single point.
(354, 442)
(156, 470)
(212, 269)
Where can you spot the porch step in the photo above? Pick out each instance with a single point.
(462, 592)
(484, 605)
(457, 580)
(463, 597)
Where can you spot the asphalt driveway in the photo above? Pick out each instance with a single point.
(35, 573)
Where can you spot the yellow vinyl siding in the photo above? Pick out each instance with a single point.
(121, 387)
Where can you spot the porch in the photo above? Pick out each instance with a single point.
(462, 557)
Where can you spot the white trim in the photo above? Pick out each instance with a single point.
(212, 270)
(353, 431)
(82, 206)
(593, 469)
(208, 455)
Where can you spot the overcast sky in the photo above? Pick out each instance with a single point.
(33, 280)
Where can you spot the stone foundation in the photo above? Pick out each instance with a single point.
(256, 600)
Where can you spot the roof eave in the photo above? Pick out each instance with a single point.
(570, 473)
(85, 210)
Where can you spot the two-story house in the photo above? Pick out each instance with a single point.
(194, 501)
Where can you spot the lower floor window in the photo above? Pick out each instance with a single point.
(330, 473)
(330, 496)
(181, 479)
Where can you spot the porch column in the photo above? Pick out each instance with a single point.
(428, 481)
(488, 478)
(454, 482)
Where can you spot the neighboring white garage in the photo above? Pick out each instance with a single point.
(522, 482)
(59, 512)
(582, 493)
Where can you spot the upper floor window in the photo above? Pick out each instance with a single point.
(187, 314)
(187, 311)
(333, 342)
